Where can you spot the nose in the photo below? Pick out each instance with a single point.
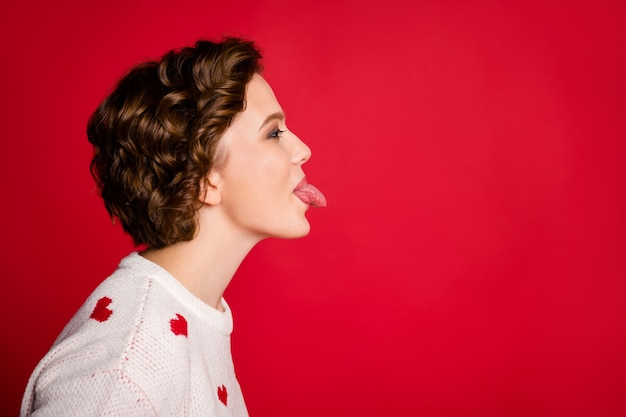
(301, 152)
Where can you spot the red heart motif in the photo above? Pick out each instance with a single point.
(101, 312)
(179, 325)
(222, 394)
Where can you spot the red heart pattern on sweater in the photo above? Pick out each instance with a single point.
(179, 325)
(222, 394)
(101, 312)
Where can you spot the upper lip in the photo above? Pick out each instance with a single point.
(301, 184)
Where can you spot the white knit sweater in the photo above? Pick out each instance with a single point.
(141, 345)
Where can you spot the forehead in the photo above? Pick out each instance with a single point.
(260, 101)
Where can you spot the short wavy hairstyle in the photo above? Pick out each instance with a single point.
(155, 136)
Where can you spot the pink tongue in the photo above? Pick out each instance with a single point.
(311, 195)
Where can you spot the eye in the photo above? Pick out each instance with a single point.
(275, 134)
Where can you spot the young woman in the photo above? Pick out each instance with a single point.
(192, 156)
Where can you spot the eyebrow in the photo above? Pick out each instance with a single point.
(274, 116)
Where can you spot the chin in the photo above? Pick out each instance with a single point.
(296, 232)
(304, 233)
(299, 234)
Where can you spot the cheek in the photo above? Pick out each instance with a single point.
(267, 160)
(255, 173)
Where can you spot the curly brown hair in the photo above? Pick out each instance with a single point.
(155, 136)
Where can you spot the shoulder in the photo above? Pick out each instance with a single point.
(131, 302)
(126, 342)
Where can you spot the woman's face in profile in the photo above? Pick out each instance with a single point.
(263, 168)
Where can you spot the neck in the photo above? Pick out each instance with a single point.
(206, 264)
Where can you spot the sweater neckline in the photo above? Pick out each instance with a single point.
(206, 313)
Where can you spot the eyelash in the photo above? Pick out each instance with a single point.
(275, 134)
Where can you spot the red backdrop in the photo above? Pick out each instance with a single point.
(472, 260)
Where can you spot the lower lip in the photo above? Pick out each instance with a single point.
(307, 205)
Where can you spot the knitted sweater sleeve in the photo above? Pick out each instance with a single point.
(105, 393)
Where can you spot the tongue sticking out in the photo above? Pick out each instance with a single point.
(310, 195)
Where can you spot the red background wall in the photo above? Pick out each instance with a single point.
(472, 257)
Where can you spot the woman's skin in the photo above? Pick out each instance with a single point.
(247, 199)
